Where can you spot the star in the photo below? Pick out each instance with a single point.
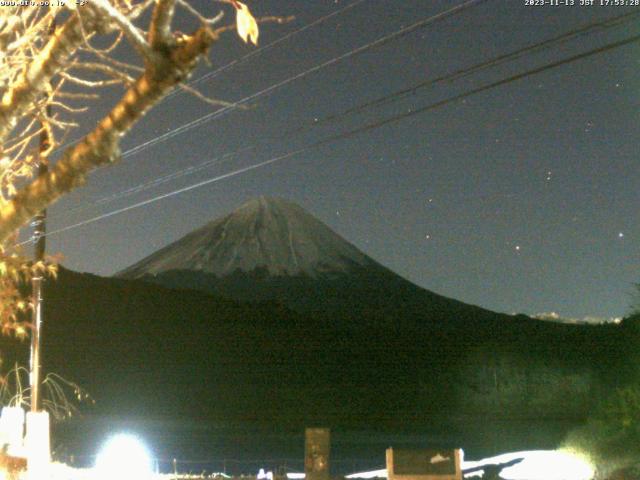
(588, 126)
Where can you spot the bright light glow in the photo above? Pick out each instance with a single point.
(37, 445)
(262, 475)
(372, 474)
(295, 476)
(535, 465)
(540, 465)
(124, 457)
(12, 430)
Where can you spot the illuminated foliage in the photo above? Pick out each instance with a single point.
(612, 433)
(51, 69)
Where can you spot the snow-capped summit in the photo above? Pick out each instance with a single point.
(266, 233)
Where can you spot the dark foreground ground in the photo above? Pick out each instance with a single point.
(236, 451)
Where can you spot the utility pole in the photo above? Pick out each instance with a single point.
(39, 236)
(37, 441)
(39, 232)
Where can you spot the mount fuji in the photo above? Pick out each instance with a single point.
(266, 233)
(271, 249)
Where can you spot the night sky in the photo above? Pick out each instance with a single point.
(521, 198)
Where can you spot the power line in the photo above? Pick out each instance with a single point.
(177, 192)
(244, 58)
(162, 179)
(364, 128)
(490, 86)
(220, 112)
(519, 53)
(356, 51)
(508, 57)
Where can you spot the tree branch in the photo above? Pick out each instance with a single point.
(160, 34)
(33, 82)
(101, 146)
(106, 11)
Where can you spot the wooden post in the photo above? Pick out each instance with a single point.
(316, 453)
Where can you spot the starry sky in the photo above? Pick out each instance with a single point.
(520, 198)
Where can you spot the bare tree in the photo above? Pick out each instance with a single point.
(43, 65)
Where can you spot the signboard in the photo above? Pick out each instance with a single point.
(316, 453)
(424, 464)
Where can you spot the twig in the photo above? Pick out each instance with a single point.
(209, 100)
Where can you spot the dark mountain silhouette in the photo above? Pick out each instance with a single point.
(495, 384)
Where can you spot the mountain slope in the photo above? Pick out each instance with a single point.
(184, 356)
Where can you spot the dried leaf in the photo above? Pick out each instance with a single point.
(246, 24)
(52, 271)
(21, 332)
